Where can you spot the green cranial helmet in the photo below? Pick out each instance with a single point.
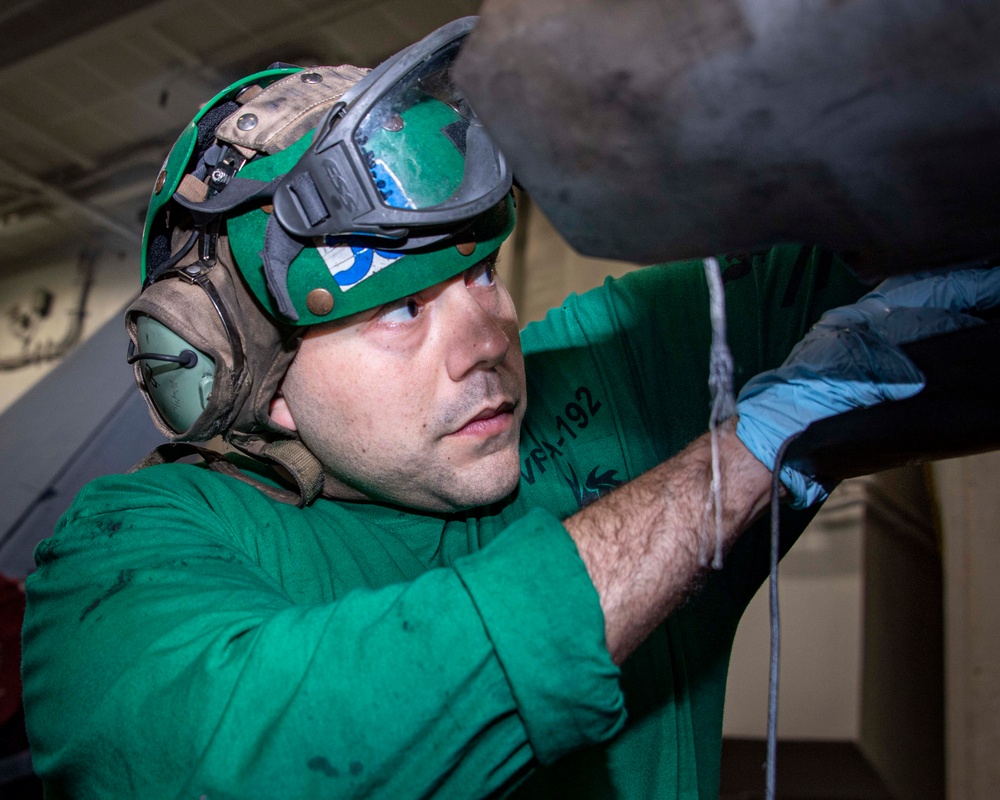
(297, 197)
(340, 275)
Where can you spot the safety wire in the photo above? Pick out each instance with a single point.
(723, 406)
(720, 385)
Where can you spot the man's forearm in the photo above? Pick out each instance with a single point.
(643, 544)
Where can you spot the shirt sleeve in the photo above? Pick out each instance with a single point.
(161, 660)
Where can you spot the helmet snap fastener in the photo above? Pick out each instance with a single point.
(312, 77)
(319, 302)
(466, 248)
(247, 122)
(161, 179)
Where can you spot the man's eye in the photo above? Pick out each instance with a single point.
(402, 311)
(484, 275)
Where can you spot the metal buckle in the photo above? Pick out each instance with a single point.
(223, 170)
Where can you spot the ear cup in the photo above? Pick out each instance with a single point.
(179, 389)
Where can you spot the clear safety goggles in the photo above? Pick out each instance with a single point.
(401, 154)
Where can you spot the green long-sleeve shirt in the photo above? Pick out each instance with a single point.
(188, 637)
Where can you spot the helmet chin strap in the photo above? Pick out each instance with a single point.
(289, 454)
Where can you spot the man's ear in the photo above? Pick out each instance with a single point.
(281, 414)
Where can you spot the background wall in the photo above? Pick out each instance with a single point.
(57, 302)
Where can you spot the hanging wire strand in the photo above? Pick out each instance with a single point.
(771, 764)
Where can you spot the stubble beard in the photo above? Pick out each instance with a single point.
(436, 483)
(493, 473)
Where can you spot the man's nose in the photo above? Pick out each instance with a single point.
(477, 338)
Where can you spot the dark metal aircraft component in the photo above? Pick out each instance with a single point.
(649, 130)
(954, 414)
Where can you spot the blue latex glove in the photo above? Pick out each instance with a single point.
(850, 359)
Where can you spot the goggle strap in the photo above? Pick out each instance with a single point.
(310, 201)
(237, 192)
(280, 250)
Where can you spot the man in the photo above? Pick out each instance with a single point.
(421, 582)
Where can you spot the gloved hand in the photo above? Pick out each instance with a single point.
(851, 359)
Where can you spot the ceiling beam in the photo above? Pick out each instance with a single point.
(46, 140)
(60, 198)
(30, 26)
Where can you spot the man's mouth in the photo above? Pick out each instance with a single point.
(490, 421)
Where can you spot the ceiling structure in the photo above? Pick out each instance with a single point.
(92, 95)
